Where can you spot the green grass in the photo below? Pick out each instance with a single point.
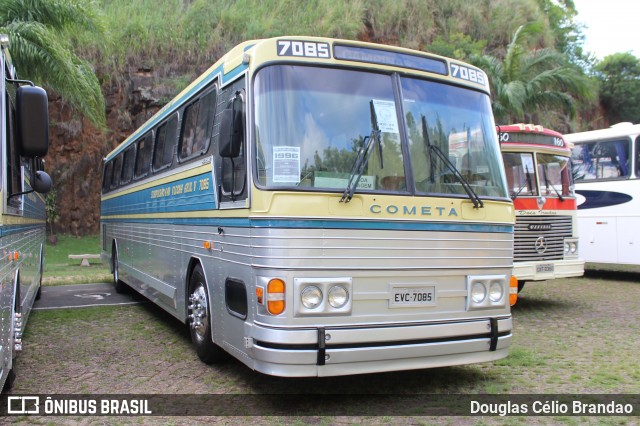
(59, 269)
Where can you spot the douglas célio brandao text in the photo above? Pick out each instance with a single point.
(552, 407)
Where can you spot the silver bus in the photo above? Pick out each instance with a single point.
(300, 207)
(24, 127)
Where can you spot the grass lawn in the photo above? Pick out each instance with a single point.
(59, 269)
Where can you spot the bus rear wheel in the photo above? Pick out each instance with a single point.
(199, 318)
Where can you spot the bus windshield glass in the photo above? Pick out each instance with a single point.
(312, 123)
(555, 175)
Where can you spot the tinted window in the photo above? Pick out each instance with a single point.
(143, 159)
(127, 166)
(165, 144)
(196, 126)
(117, 171)
(106, 177)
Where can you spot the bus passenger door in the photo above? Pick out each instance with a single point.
(230, 167)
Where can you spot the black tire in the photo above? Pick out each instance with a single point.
(119, 285)
(39, 292)
(11, 378)
(520, 286)
(199, 319)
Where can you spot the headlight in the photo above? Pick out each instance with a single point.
(566, 248)
(495, 291)
(573, 248)
(478, 292)
(338, 296)
(311, 297)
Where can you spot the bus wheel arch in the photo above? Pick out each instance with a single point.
(199, 319)
(119, 285)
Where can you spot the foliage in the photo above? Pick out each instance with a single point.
(41, 51)
(619, 76)
(527, 81)
(51, 207)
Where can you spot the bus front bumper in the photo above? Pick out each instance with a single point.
(340, 351)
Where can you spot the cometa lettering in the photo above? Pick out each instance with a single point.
(414, 210)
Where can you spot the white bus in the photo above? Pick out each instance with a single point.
(606, 168)
(299, 207)
(24, 127)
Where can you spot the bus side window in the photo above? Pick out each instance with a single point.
(166, 139)
(143, 157)
(127, 165)
(196, 126)
(117, 172)
(106, 177)
(14, 171)
(638, 156)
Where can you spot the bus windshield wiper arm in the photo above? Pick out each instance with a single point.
(546, 182)
(363, 158)
(515, 194)
(477, 202)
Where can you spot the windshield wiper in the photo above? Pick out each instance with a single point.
(363, 157)
(477, 202)
(546, 182)
(527, 181)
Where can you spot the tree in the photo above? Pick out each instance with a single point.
(39, 44)
(528, 82)
(619, 76)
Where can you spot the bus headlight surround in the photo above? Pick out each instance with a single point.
(338, 296)
(311, 297)
(487, 291)
(322, 296)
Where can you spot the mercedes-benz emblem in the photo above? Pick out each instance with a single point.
(541, 245)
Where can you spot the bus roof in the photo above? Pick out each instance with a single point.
(616, 131)
(254, 53)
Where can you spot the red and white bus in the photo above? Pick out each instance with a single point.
(537, 163)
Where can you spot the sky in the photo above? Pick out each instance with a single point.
(612, 26)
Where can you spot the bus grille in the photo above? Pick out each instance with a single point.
(541, 237)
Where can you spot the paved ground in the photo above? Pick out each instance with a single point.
(83, 295)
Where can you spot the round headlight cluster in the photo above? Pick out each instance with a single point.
(570, 247)
(478, 292)
(311, 297)
(495, 291)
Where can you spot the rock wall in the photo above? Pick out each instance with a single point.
(77, 148)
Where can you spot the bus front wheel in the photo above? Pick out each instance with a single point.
(199, 318)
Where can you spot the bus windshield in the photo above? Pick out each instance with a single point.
(311, 124)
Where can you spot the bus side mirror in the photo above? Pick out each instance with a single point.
(42, 183)
(231, 133)
(32, 110)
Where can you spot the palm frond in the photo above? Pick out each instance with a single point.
(40, 56)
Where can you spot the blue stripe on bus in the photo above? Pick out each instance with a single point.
(6, 230)
(190, 194)
(598, 199)
(322, 224)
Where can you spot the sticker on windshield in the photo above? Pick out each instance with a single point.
(527, 163)
(286, 164)
(386, 115)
